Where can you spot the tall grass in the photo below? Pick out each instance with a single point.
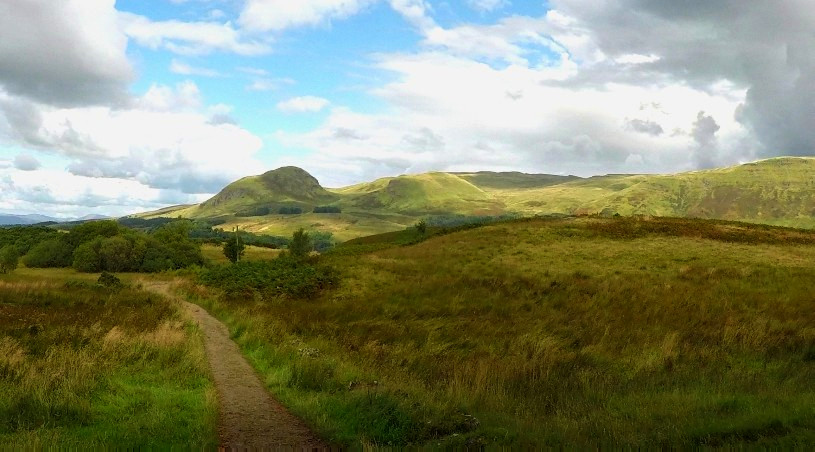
(84, 365)
(633, 332)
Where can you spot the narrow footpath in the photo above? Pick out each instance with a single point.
(249, 418)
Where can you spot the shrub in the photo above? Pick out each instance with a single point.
(108, 280)
(9, 258)
(300, 244)
(290, 211)
(285, 276)
(51, 253)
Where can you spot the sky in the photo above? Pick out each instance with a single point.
(115, 107)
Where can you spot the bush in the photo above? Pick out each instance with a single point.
(108, 280)
(421, 227)
(52, 253)
(285, 276)
(290, 211)
(9, 258)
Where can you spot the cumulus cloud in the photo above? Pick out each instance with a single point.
(166, 140)
(304, 104)
(67, 53)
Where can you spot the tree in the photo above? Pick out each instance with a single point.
(115, 253)
(421, 226)
(9, 258)
(50, 253)
(234, 248)
(86, 257)
(300, 244)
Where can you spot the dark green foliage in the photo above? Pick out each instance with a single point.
(328, 209)
(322, 241)
(254, 212)
(116, 254)
(290, 211)
(234, 248)
(25, 237)
(86, 232)
(52, 253)
(452, 221)
(108, 280)
(285, 276)
(300, 244)
(87, 258)
(9, 258)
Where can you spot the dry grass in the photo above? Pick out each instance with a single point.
(637, 332)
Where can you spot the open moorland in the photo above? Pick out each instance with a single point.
(581, 331)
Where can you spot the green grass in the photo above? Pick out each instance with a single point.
(81, 365)
(578, 332)
(215, 254)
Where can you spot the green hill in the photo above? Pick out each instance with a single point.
(777, 191)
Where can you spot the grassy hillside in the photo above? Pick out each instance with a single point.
(576, 332)
(777, 191)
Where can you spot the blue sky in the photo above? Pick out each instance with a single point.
(114, 107)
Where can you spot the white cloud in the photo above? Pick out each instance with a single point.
(182, 68)
(69, 52)
(166, 140)
(305, 104)
(277, 15)
(191, 38)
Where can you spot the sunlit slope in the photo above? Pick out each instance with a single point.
(439, 193)
(779, 191)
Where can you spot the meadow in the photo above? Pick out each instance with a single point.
(640, 332)
(90, 366)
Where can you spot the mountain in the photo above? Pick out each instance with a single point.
(775, 191)
(12, 219)
(23, 220)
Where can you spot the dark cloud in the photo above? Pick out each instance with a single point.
(768, 48)
(65, 53)
(25, 162)
(644, 126)
(704, 133)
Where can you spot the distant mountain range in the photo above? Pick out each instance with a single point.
(11, 219)
(776, 191)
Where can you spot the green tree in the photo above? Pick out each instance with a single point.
(9, 258)
(50, 253)
(87, 258)
(115, 253)
(234, 248)
(300, 244)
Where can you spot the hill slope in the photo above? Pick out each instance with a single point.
(776, 191)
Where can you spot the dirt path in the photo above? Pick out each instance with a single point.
(248, 416)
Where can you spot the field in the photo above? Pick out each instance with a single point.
(82, 365)
(215, 254)
(630, 332)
